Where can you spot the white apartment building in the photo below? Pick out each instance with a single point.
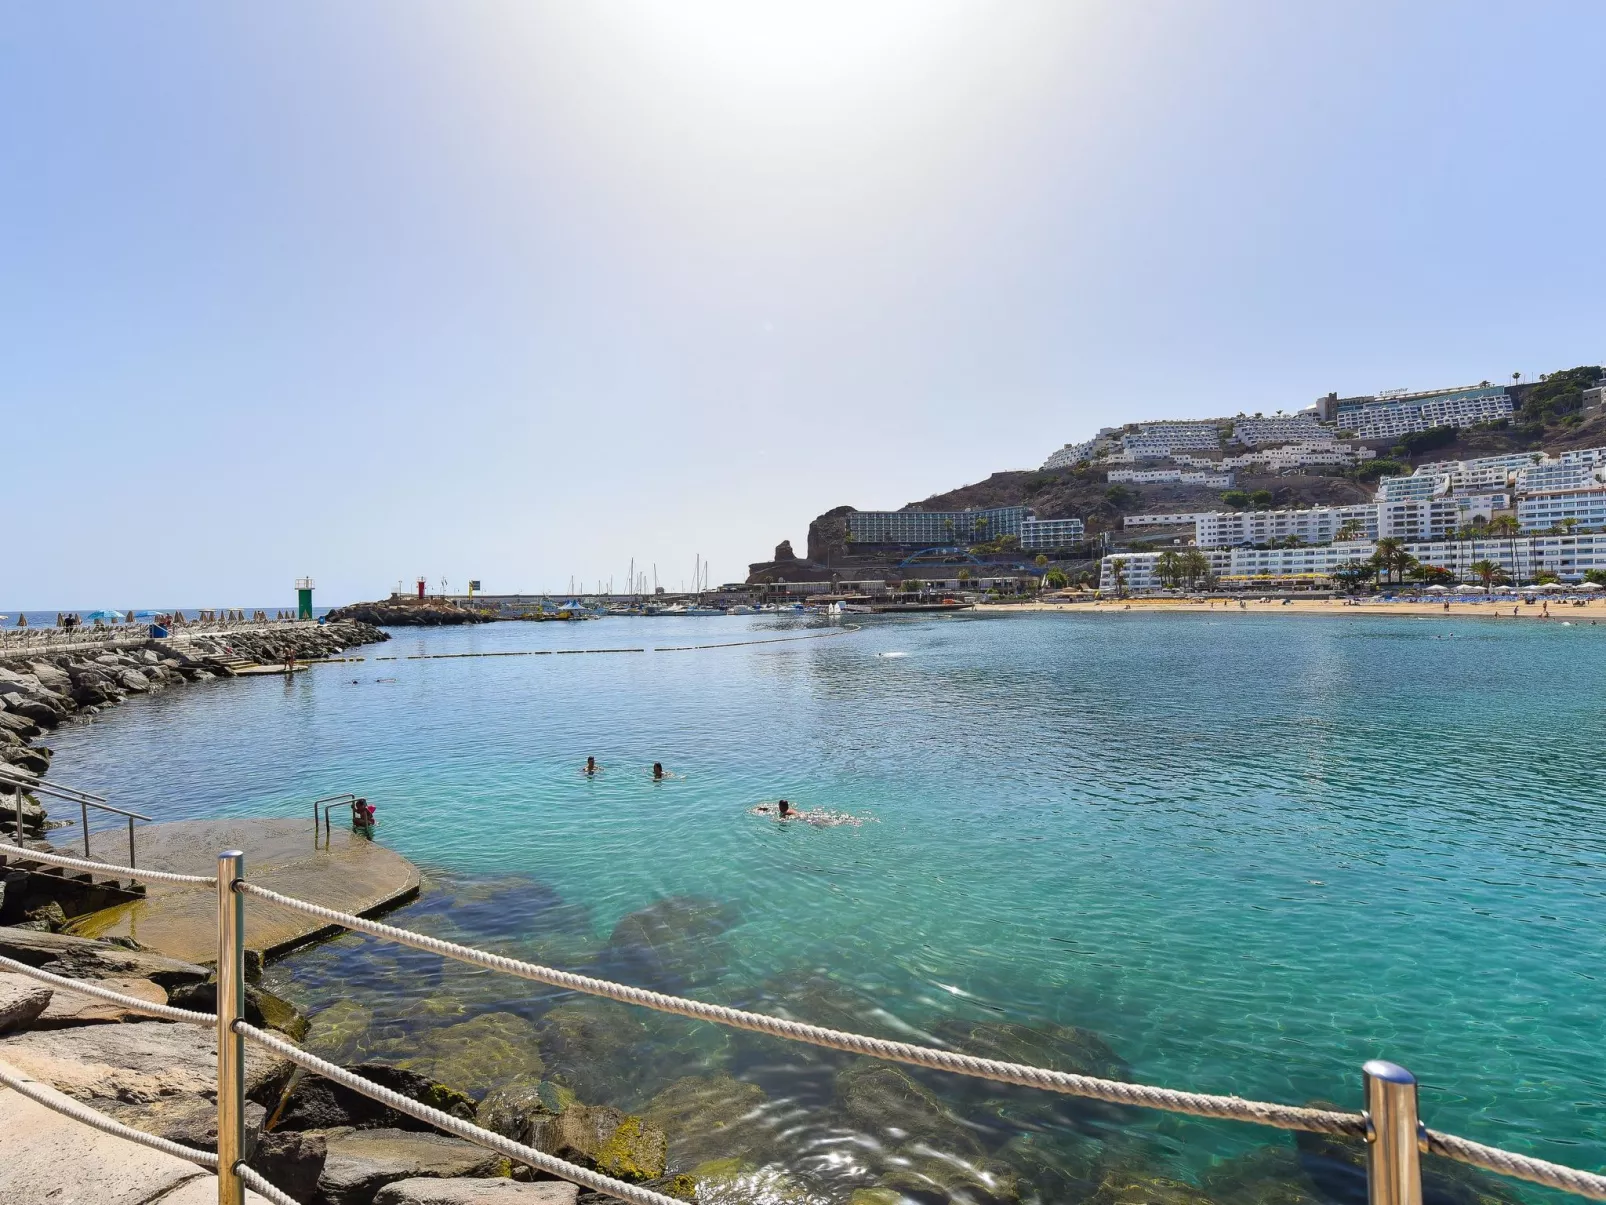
(1182, 436)
(1481, 473)
(1396, 417)
(1405, 519)
(1312, 455)
(1182, 519)
(1585, 507)
(1253, 432)
(1522, 559)
(1584, 455)
(1560, 475)
(1169, 476)
(1051, 533)
(1418, 485)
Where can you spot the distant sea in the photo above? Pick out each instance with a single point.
(1247, 852)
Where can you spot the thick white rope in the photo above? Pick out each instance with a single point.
(262, 1187)
(455, 1125)
(105, 868)
(1288, 1117)
(132, 1003)
(1521, 1167)
(68, 1107)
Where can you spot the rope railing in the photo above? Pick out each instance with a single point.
(107, 868)
(1390, 1125)
(1520, 1167)
(540, 1160)
(132, 1003)
(1198, 1104)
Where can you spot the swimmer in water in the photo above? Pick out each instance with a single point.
(658, 771)
(783, 810)
(591, 767)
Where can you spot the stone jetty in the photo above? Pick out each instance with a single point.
(404, 611)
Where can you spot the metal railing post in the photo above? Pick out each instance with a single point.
(131, 861)
(1393, 1135)
(19, 815)
(83, 811)
(230, 1045)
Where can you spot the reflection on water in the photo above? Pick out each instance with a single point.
(1233, 857)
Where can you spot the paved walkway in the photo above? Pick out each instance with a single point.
(353, 875)
(64, 1162)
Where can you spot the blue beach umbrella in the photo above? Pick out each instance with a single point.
(104, 616)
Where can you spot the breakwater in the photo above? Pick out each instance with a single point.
(47, 677)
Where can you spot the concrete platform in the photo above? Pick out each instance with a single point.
(354, 875)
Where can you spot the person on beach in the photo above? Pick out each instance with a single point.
(591, 767)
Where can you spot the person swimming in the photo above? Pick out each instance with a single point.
(591, 767)
(657, 771)
(783, 810)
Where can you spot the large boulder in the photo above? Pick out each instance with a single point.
(291, 1162)
(22, 1000)
(605, 1139)
(516, 1108)
(313, 1103)
(69, 1008)
(583, 1044)
(84, 958)
(361, 1162)
(478, 1192)
(261, 1007)
(885, 1100)
(51, 677)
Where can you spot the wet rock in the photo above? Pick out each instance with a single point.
(19, 724)
(22, 1000)
(475, 1056)
(1057, 1047)
(711, 1117)
(876, 1196)
(477, 1192)
(514, 1109)
(585, 1044)
(361, 1162)
(1124, 1185)
(311, 1102)
(617, 1144)
(1053, 1167)
(33, 758)
(49, 915)
(291, 1161)
(262, 1008)
(50, 676)
(671, 945)
(70, 1008)
(134, 681)
(83, 958)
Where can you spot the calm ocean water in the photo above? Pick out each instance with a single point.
(1246, 852)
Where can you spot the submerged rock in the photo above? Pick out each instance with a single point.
(1270, 1175)
(337, 1033)
(929, 1176)
(588, 1045)
(514, 1109)
(670, 945)
(711, 1117)
(1139, 1186)
(476, 1056)
(885, 1100)
(736, 1182)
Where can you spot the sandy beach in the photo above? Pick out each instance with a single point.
(1500, 608)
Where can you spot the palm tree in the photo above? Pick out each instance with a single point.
(1486, 571)
(1507, 526)
(1390, 557)
(1349, 531)
(1118, 575)
(1168, 568)
(1195, 566)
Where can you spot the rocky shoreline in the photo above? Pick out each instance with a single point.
(409, 612)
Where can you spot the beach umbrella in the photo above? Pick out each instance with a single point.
(1473, 590)
(104, 616)
(1587, 586)
(1438, 589)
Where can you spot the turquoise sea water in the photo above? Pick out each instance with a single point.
(1247, 852)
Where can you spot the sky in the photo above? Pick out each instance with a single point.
(522, 291)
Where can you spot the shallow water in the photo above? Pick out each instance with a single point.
(1246, 852)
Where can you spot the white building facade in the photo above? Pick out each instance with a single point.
(1045, 534)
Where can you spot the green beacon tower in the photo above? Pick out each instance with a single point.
(303, 598)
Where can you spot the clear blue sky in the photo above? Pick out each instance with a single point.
(517, 291)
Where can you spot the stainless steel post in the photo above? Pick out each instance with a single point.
(131, 841)
(1393, 1134)
(19, 815)
(230, 1045)
(83, 811)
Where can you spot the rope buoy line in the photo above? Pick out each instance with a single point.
(672, 648)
